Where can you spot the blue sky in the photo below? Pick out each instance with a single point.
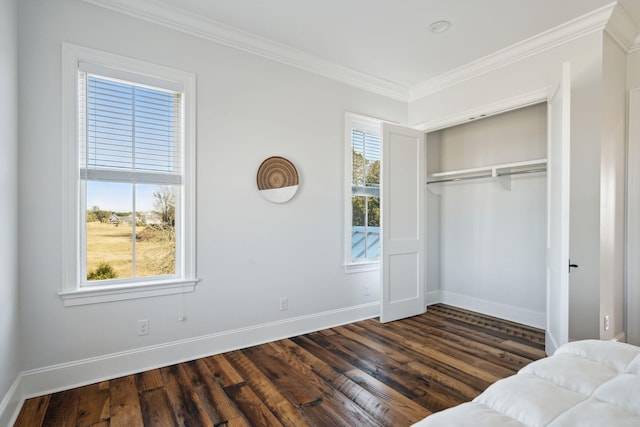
(116, 197)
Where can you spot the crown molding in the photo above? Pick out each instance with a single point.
(611, 18)
(572, 30)
(218, 32)
(636, 45)
(622, 29)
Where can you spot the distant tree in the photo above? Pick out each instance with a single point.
(162, 259)
(359, 206)
(165, 204)
(92, 217)
(373, 174)
(97, 215)
(368, 177)
(373, 220)
(357, 168)
(358, 210)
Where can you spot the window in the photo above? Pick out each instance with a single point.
(363, 192)
(130, 173)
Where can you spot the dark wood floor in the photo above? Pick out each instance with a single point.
(362, 374)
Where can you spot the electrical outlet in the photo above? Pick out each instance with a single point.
(606, 323)
(284, 304)
(143, 327)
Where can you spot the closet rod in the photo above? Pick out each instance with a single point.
(465, 178)
(523, 172)
(462, 178)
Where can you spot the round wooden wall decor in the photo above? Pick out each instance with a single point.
(277, 179)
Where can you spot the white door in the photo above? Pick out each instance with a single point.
(558, 151)
(403, 223)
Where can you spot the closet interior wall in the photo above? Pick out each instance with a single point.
(486, 243)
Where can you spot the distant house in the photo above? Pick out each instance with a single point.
(129, 219)
(151, 217)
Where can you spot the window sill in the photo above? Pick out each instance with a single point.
(102, 294)
(362, 267)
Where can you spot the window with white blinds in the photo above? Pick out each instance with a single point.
(363, 195)
(131, 223)
(130, 159)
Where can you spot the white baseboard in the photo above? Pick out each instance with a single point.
(11, 403)
(434, 297)
(51, 379)
(550, 345)
(525, 316)
(621, 337)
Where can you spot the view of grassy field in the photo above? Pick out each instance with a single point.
(111, 243)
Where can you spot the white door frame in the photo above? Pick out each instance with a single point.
(558, 208)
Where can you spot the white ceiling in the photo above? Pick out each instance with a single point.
(388, 39)
(385, 46)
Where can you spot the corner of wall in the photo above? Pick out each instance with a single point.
(9, 289)
(12, 402)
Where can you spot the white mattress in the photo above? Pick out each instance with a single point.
(585, 383)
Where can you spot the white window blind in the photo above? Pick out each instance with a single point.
(363, 149)
(367, 146)
(129, 132)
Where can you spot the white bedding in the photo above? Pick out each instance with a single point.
(585, 383)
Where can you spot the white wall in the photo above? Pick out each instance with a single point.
(532, 74)
(9, 343)
(633, 190)
(633, 200)
(492, 240)
(612, 187)
(250, 253)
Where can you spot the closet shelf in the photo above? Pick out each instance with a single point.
(493, 171)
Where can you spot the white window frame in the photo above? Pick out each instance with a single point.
(72, 293)
(371, 125)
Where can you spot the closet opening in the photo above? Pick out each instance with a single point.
(487, 215)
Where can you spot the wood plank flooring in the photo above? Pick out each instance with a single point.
(361, 374)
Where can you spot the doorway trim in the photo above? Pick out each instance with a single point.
(486, 110)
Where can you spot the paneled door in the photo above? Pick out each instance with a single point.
(403, 223)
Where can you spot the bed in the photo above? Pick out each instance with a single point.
(585, 383)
